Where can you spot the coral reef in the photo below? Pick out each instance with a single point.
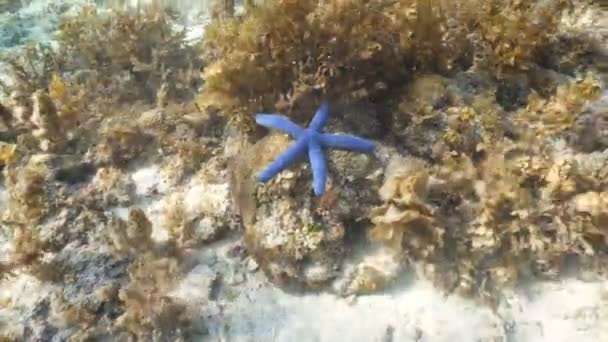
(478, 111)
(128, 155)
(71, 137)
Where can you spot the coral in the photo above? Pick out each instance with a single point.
(10, 5)
(156, 119)
(20, 108)
(595, 204)
(488, 165)
(119, 145)
(110, 187)
(198, 216)
(27, 191)
(45, 119)
(133, 235)
(222, 8)
(149, 312)
(463, 130)
(476, 227)
(7, 153)
(186, 157)
(101, 61)
(378, 270)
(312, 140)
(147, 308)
(69, 100)
(175, 219)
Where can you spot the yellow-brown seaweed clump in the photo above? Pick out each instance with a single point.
(512, 32)
(406, 218)
(521, 209)
(285, 54)
(288, 52)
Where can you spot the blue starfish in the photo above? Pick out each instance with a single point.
(311, 140)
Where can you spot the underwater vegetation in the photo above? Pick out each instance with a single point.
(488, 121)
(473, 93)
(75, 115)
(283, 54)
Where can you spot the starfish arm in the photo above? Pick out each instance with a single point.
(320, 118)
(284, 160)
(280, 123)
(318, 166)
(346, 142)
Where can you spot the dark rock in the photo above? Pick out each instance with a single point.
(512, 92)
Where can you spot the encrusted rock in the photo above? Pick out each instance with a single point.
(591, 127)
(376, 271)
(295, 237)
(200, 215)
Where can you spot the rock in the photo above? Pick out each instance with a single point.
(201, 214)
(298, 239)
(590, 132)
(155, 119)
(197, 285)
(512, 93)
(252, 265)
(473, 83)
(73, 170)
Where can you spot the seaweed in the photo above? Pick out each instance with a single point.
(30, 68)
(286, 55)
(118, 55)
(296, 51)
(141, 46)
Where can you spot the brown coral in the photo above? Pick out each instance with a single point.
(485, 204)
